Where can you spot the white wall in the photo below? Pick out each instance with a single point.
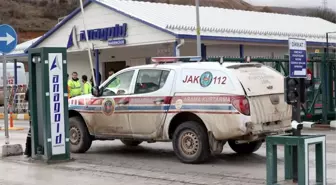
(223, 50)
(79, 61)
(232, 50)
(98, 16)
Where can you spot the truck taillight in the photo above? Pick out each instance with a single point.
(242, 105)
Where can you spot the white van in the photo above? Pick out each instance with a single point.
(21, 77)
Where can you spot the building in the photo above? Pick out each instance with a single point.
(125, 32)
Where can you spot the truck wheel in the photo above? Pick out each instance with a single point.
(80, 139)
(245, 148)
(190, 143)
(130, 142)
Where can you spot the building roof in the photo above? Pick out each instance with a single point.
(216, 23)
(220, 22)
(20, 48)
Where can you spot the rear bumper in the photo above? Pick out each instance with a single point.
(279, 127)
(250, 131)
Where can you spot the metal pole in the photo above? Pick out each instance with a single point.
(88, 44)
(15, 73)
(198, 29)
(4, 82)
(297, 117)
(327, 72)
(97, 67)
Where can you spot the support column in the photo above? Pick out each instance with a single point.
(241, 51)
(175, 45)
(97, 67)
(203, 51)
(15, 81)
(15, 72)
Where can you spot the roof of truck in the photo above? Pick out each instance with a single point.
(194, 65)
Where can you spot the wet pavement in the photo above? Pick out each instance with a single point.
(110, 162)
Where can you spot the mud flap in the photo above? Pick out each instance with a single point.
(216, 147)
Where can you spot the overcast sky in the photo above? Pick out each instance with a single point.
(293, 3)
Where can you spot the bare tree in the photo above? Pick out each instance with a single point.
(326, 14)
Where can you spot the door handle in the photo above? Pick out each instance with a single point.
(159, 100)
(123, 102)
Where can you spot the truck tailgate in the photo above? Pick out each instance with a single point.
(264, 88)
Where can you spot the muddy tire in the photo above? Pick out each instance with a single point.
(245, 148)
(190, 143)
(130, 142)
(80, 139)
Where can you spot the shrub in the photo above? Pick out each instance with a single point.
(43, 3)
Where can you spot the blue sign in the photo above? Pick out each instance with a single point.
(117, 42)
(297, 58)
(103, 34)
(8, 39)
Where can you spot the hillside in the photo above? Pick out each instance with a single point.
(38, 16)
(41, 15)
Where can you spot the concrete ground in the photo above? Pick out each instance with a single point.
(110, 162)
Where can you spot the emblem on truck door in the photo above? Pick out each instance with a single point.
(274, 99)
(108, 107)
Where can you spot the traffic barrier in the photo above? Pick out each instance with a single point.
(16, 116)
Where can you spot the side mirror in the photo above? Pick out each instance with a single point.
(95, 91)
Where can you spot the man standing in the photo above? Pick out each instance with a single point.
(68, 88)
(28, 151)
(86, 85)
(115, 82)
(97, 79)
(75, 85)
(111, 72)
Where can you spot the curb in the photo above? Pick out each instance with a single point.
(312, 125)
(16, 116)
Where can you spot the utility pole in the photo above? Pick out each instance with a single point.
(198, 29)
(325, 4)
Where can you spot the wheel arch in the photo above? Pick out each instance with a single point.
(182, 117)
(74, 113)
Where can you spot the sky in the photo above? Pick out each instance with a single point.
(293, 3)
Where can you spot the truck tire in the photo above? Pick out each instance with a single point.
(128, 142)
(245, 148)
(80, 139)
(190, 143)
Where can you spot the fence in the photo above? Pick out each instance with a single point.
(16, 102)
(321, 101)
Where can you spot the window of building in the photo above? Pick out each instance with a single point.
(150, 80)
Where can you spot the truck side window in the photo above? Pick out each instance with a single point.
(119, 84)
(150, 80)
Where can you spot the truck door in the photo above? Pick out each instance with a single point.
(150, 102)
(113, 119)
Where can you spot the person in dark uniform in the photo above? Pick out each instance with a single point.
(99, 78)
(28, 151)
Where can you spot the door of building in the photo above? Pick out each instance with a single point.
(117, 66)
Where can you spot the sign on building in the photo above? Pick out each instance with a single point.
(114, 35)
(297, 58)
